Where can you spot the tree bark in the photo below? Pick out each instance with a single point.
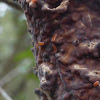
(66, 41)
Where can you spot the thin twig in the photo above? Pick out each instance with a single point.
(5, 95)
(12, 74)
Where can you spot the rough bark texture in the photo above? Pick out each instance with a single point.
(66, 41)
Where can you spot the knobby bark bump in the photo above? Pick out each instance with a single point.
(66, 46)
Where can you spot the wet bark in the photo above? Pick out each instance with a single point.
(66, 41)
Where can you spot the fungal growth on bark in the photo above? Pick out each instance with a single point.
(66, 46)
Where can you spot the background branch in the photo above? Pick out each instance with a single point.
(12, 4)
(12, 74)
(5, 95)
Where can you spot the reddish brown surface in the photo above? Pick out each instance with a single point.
(68, 65)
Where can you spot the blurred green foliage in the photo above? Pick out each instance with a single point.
(15, 53)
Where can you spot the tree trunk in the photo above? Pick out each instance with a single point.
(66, 41)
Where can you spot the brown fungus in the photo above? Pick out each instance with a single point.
(66, 41)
